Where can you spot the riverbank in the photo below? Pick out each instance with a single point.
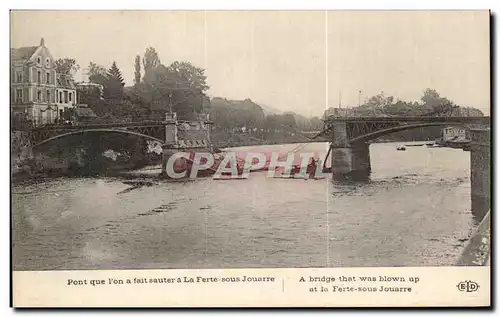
(74, 161)
(222, 139)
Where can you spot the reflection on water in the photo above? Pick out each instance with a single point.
(413, 210)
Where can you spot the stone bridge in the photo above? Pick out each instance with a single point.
(170, 132)
(349, 136)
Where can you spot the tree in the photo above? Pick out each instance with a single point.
(188, 74)
(67, 66)
(219, 114)
(246, 114)
(97, 74)
(137, 74)
(288, 121)
(189, 86)
(376, 105)
(273, 123)
(150, 61)
(92, 94)
(236, 114)
(114, 72)
(438, 104)
(431, 97)
(180, 87)
(114, 84)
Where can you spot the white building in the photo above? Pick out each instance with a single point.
(38, 92)
(65, 93)
(454, 134)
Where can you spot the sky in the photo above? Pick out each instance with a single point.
(301, 61)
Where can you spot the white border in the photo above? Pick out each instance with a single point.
(193, 5)
(256, 5)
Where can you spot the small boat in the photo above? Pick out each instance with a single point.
(413, 144)
(401, 148)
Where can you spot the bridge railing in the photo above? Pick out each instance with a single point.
(108, 124)
(98, 125)
(483, 120)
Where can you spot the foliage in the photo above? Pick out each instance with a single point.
(137, 73)
(180, 87)
(430, 104)
(113, 87)
(288, 121)
(67, 66)
(235, 114)
(190, 75)
(150, 61)
(90, 95)
(97, 74)
(115, 73)
(111, 80)
(245, 115)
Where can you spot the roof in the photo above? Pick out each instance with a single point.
(64, 81)
(84, 85)
(22, 53)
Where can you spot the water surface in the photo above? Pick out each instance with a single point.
(414, 211)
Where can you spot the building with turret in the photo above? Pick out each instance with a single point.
(38, 92)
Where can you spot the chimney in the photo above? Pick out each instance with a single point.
(42, 42)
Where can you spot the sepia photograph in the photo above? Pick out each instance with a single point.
(156, 140)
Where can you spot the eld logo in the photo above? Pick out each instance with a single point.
(468, 286)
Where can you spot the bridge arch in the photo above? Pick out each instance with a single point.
(382, 132)
(101, 130)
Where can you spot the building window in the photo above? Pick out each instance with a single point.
(65, 96)
(39, 78)
(48, 78)
(39, 95)
(19, 77)
(60, 97)
(48, 96)
(47, 62)
(38, 60)
(70, 99)
(19, 95)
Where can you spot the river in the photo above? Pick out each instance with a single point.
(414, 211)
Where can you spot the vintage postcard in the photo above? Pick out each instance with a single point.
(250, 158)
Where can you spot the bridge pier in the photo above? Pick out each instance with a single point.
(192, 136)
(480, 172)
(349, 160)
(171, 140)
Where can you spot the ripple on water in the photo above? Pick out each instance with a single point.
(410, 213)
(160, 209)
(95, 251)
